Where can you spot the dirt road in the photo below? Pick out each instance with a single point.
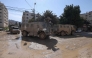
(77, 46)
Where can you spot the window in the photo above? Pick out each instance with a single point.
(36, 16)
(89, 14)
(27, 17)
(27, 14)
(86, 15)
(0, 22)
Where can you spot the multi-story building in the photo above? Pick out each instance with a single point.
(3, 16)
(87, 16)
(28, 16)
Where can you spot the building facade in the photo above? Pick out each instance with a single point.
(87, 16)
(28, 16)
(3, 16)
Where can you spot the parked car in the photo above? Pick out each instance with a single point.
(14, 29)
(78, 31)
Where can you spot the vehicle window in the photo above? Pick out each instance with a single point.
(15, 28)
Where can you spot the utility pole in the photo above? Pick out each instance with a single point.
(34, 12)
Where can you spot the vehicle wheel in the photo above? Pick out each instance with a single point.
(72, 33)
(42, 35)
(62, 33)
(11, 32)
(24, 33)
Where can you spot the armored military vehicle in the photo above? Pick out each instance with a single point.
(62, 30)
(40, 29)
(14, 29)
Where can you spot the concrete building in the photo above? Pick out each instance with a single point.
(3, 16)
(87, 16)
(28, 16)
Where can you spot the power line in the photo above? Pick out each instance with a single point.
(16, 8)
(28, 3)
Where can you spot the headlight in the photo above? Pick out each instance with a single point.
(44, 29)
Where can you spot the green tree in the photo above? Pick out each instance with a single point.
(49, 16)
(86, 22)
(71, 15)
(39, 18)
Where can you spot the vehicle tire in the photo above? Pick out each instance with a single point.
(72, 33)
(11, 32)
(18, 32)
(42, 35)
(24, 33)
(66, 33)
(62, 33)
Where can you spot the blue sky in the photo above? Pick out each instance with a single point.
(56, 6)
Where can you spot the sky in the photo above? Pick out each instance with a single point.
(57, 6)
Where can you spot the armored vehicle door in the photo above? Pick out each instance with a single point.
(35, 29)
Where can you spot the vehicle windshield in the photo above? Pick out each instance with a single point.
(15, 28)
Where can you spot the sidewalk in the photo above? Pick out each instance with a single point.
(2, 33)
